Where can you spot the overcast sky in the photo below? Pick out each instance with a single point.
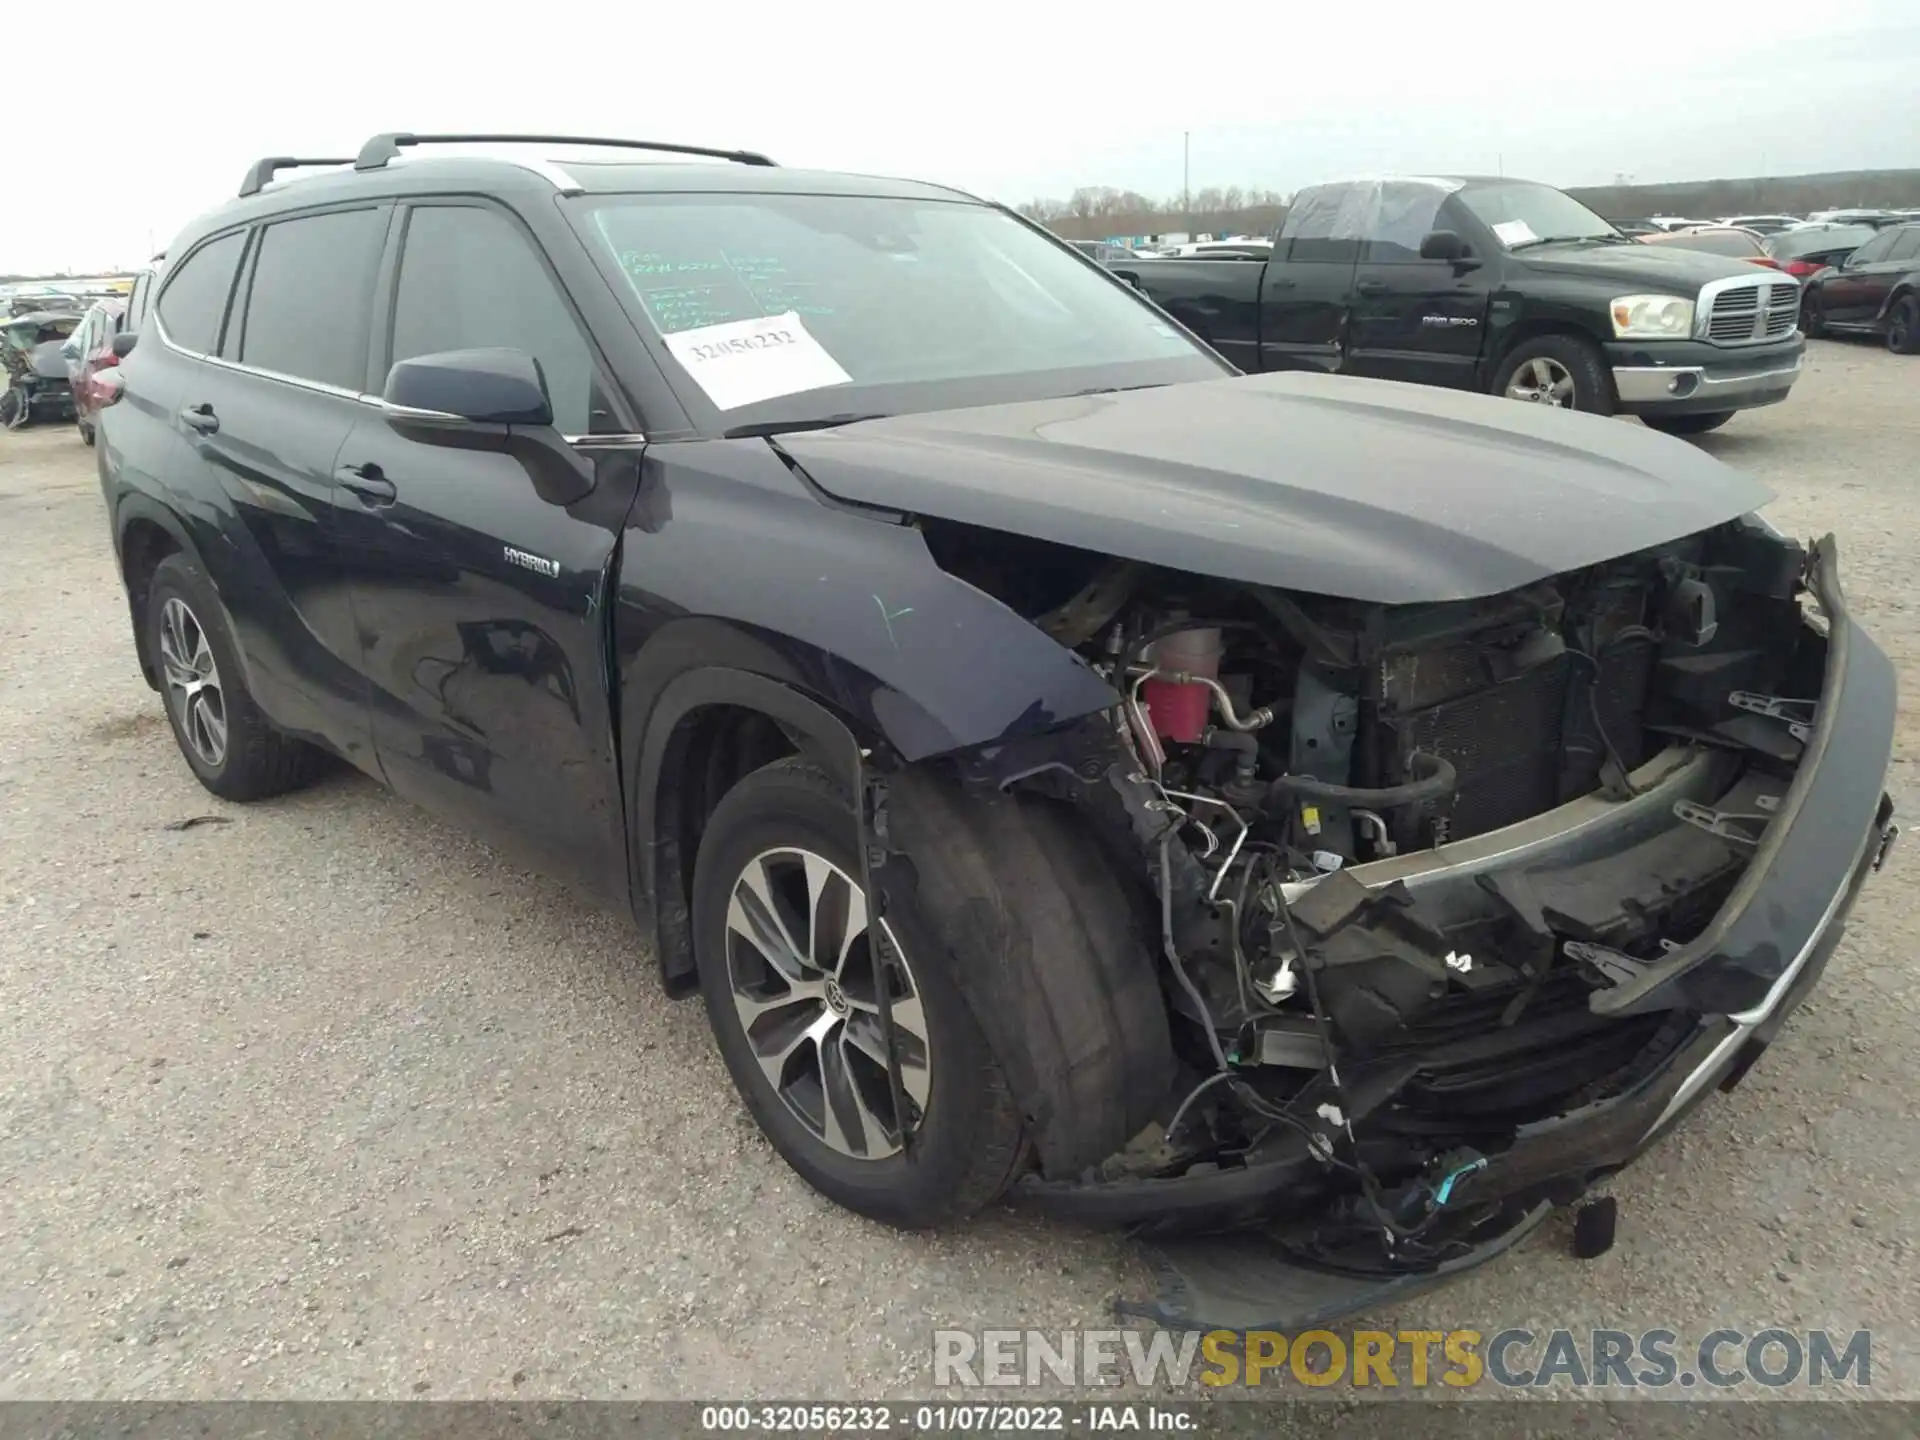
(1008, 99)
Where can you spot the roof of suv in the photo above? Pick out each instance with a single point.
(528, 174)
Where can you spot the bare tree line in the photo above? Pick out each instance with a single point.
(1093, 212)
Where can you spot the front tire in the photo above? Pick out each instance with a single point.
(791, 980)
(1903, 326)
(1565, 371)
(86, 432)
(227, 742)
(15, 411)
(1687, 424)
(1813, 317)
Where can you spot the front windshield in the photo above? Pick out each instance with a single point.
(802, 307)
(1520, 212)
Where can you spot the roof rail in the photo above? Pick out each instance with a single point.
(382, 148)
(263, 170)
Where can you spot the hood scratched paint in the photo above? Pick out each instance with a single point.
(1364, 489)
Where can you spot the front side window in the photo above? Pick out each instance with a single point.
(195, 300)
(309, 306)
(1874, 250)
(1907, 246)
(896, 303)
(470, 280)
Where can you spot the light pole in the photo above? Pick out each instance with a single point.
(1186, 178)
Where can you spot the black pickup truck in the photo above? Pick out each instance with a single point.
(1499, 285)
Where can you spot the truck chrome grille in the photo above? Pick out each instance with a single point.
(1747, 312)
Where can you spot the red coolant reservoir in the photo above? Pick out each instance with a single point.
(1179, 708)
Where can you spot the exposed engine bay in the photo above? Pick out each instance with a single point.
(1401, 862)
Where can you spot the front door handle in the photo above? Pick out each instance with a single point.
(1371, 287)
(1279, 284)
(368, 482)
(200, 418)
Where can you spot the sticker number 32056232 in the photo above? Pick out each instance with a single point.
(746, 361)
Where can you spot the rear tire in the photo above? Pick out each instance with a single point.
(823, 1100)
(226, 741)
(1566, 371)
(1903, 326)
(1687, 424)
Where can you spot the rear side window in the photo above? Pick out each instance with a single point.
(309, 306)
(1322, 225)
(196, 295)
(469, 280)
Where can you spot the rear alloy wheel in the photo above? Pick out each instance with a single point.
(1687, 424)
(785, 944)
(1903, 326)
(1563, 371)
(192, 679)
(230, 746)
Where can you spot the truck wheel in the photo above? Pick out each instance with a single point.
(1687, 424)
(1561, 370)
(230, 746)
(1903, 327)
(791, 980)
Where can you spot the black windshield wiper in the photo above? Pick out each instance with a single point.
(782, 427)
(1568, 240)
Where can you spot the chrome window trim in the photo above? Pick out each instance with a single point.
(605, 442)
(320, 386)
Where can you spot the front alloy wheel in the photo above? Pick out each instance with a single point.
(1544, 381)
(806, 985)
(193, 682)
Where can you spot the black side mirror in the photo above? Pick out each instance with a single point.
(458, 388)
(123, 344)
(1444, 245)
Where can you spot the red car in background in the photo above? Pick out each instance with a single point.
(92, 365)
(1733, 241)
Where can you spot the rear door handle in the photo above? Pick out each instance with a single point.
(200, 418)
(368, 482)
(1371, 287)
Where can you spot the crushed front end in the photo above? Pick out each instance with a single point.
(1460, 906)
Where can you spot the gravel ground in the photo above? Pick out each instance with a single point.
(327, 1100)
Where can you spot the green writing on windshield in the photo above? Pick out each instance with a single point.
(682, 290)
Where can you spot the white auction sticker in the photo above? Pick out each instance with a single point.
(745, 361)
(1514, 232)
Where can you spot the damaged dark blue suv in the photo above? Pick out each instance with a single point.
(1318, 823)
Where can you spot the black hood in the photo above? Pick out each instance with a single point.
(1365, 489)
(1664, 268)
